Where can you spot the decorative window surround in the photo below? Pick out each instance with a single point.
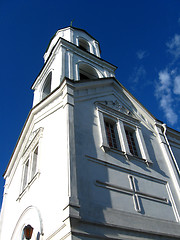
(124, 119)
(31, 161)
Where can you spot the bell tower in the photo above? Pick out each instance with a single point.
(72, 53)
(91, 161)
(41, 177)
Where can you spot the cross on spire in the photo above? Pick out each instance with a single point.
(71, 22)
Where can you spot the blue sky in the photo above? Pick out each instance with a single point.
(142, 38)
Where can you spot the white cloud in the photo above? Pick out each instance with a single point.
(165, 79)
(174, 46)
(177, 85)
(166, 104)
(163, 93)
(168, 85)
(141, 54)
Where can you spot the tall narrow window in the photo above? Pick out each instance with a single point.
(25, 175)
(131, 142)
(111, 137)
(47, 86)
(34, 162)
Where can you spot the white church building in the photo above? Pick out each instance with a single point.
(91, 162)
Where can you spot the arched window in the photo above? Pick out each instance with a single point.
(87, 72)
(83, 44)
(47, 87)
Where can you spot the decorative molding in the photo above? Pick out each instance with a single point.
(32, 141)
(138, 227)
(116, 106)
(125, 170)
(30, 215)
(133, 191)
(57, 231)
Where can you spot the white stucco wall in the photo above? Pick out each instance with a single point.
(49, 191)
(102, 176)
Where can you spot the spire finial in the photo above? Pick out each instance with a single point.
(71, 22)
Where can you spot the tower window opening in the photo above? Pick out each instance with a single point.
(87, 72)
(83, 44)
(83, 76)
(47, 86)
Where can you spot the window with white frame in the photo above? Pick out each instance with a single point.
(30, 168)
(25, 174)
(30, 159)
(123, 134)
(111, 133)
(131, 140)
(34, 162)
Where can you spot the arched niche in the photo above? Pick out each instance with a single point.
(87, 72)
(30, 216)
(46, 90)
(83, 44)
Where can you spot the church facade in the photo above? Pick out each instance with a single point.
(91, 162)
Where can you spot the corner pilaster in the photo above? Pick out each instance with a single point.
(68, 99)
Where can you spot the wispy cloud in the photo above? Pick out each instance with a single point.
(167, 89)
(138, 74)
(164, 94)
(141, 54)
(164, 78)
(177, 85)
(174, 46)
(166, 104)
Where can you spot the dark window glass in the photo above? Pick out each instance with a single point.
(25, 176)
(110, 135)
(131, 142)
(34, 163)
(82, 76)
(47, 86)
